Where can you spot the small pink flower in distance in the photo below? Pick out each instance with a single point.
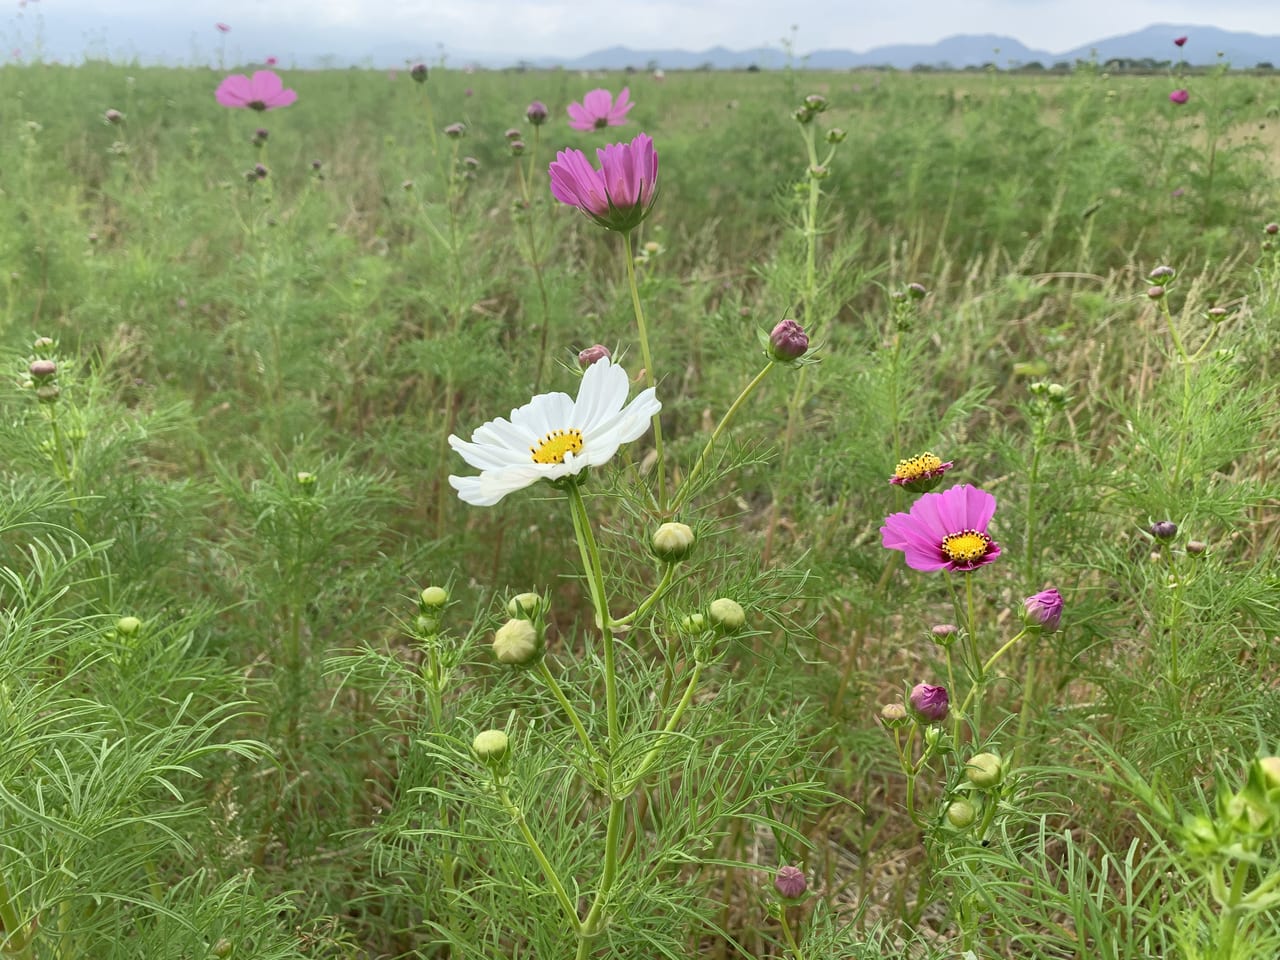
(944, 531)
(1179, 97)
(265, 91)
(1179, 41)
(620, 194)
(271, 61)
(599, 110)
(222, 28)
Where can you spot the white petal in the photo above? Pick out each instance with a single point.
(492, 485)
(627, 425)
(544, 413)
(602, 394)
(486, 456)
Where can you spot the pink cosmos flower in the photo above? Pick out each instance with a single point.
(265, 91)
(598, 110)
(1179, 97)
(222, 27)
(620, 194)
(271, 61)
(944, 531)
(1179, 41)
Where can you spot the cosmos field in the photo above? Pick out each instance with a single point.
(837, 519)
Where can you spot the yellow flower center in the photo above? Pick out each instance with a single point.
(966, 546)
(917, 467)
(553, 447)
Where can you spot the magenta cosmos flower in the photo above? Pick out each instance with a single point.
(265, 91)
(1179, 41)
(598, 110)
(944, 531)
(1179, 96)
(222, 27)
(620, 194)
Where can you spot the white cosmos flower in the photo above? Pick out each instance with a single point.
(554, 436)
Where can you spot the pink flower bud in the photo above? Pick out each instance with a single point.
(929, 703)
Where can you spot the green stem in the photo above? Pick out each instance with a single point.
(548, 871)
(1229, 922)
(791, 937)
(549, 679)
(686, 488)
(17, 935)
(649, 378)
(637, 615)
(595, 576)
(595, 916)
(625, 787)
(983, 669)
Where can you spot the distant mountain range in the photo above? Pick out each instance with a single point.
(167, 36)
(1204, 44)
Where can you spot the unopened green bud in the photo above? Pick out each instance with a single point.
(128, 626)
(893, 714)
(223, 948)
(48, 393)
(1270, 768)
(491, 746)
(984, 770)
(727, 615)
(961, 814)
(672, 542)
(433, 598)
(306, 480)
(525, 605)
(693, 623)
(517, 642)
(836, 135)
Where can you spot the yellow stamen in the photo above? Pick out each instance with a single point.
(553, 447)
(916, 467)
(966, 546)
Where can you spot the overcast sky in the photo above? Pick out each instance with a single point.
(568, 28)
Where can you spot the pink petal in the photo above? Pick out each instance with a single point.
(597, 103)
(234, 91)
(266, 84)
(281, 99)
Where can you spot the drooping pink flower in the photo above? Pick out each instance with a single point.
(265, 91)
(944, 531)
(222, 27)
(1179, 41)
(620, 194)
(271, 61)
(1179, 96)
(598, 109)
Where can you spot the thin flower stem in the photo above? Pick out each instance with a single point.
(1229, 922)
(595, 576)
(17, 936)
(549, 679)
(549, 871)
(595, 916)
(980, 675)
(625, 787)
(1186, 389)
(686, 488)
(791, 938)
(636, 615)
(983, 670)
(650, 379)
